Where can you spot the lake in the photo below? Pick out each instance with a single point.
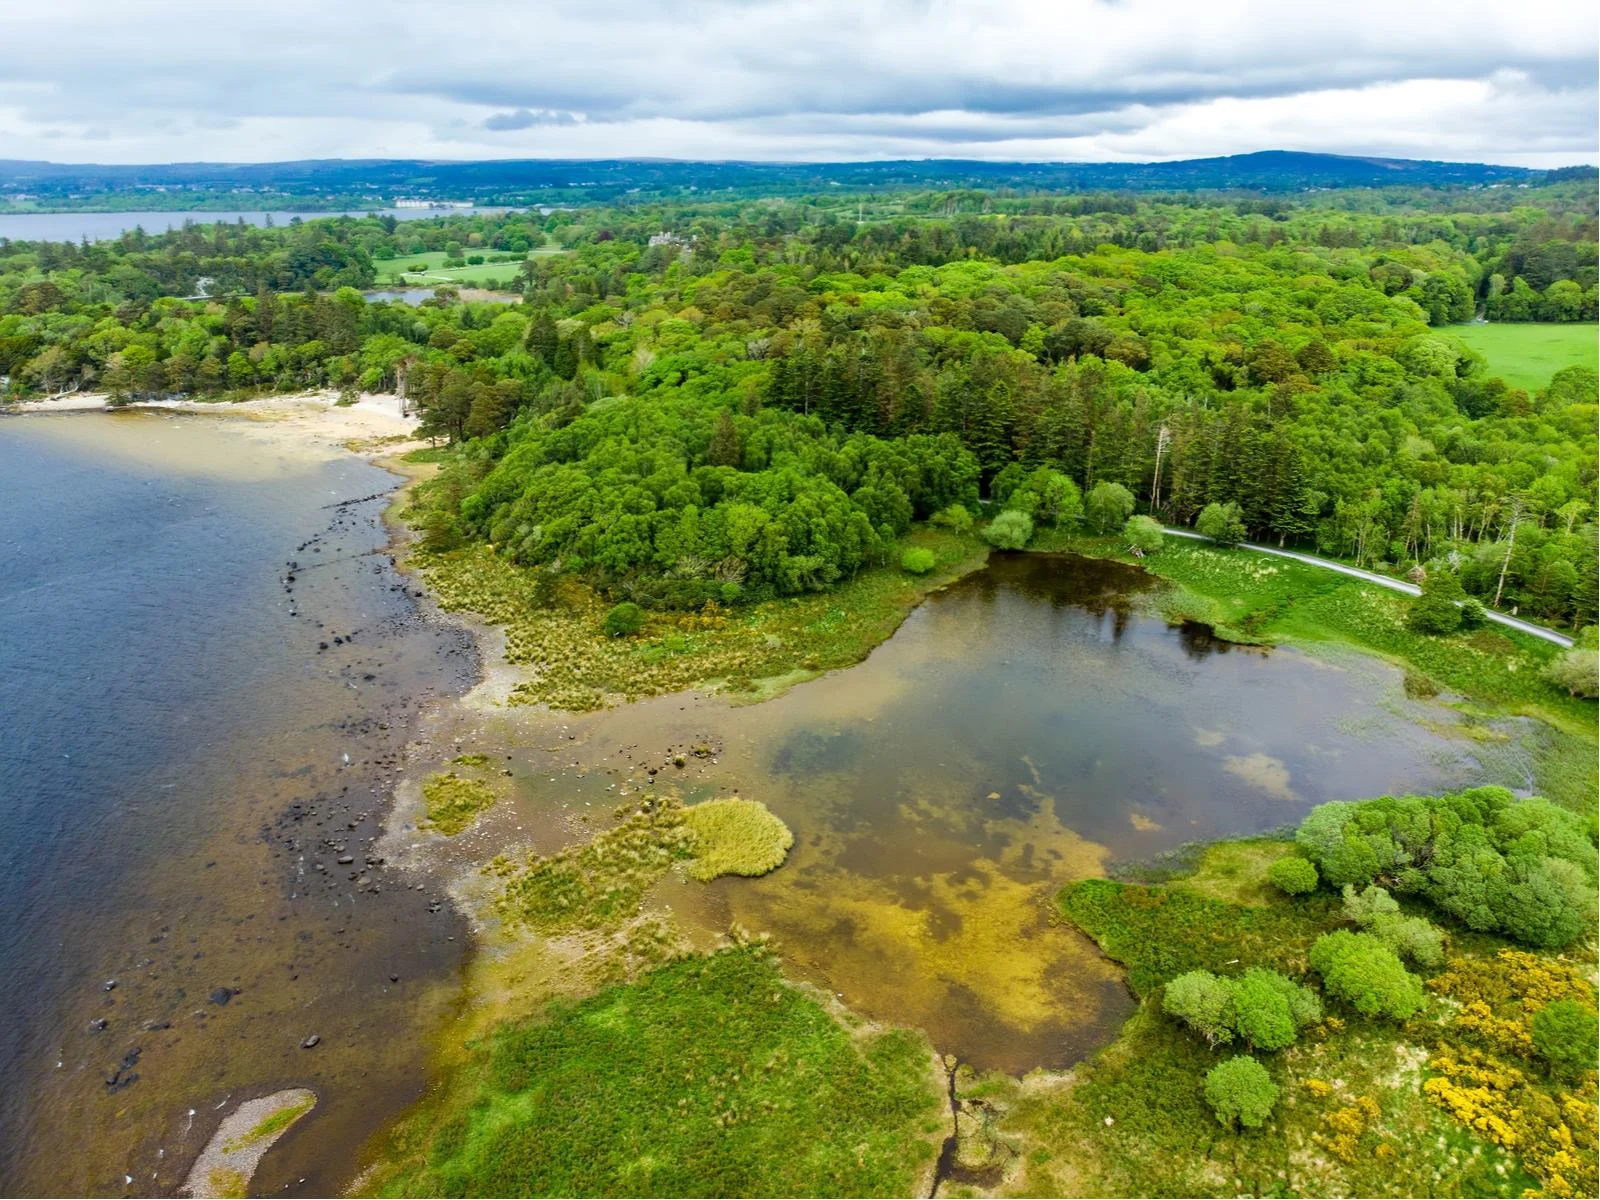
(183, 768)
(1030, 725)
(215, 678)
(96, 226)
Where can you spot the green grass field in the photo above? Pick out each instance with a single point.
(1526, 355)
(423, 269)
(709, 1076)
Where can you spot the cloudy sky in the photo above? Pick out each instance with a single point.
(175, 80)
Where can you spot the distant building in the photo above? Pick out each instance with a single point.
(670, 239)
(401, 202)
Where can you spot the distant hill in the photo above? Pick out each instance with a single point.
(566, 180)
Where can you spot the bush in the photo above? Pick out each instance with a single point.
(1293, 875)
(1438, 610)
(1366, 974)
(1203, 1002)
(954, 517)
(1009, 531)
(1221, 523)
(1241, 1090)
(1577, 670)
(1144, 535)
(1564, 1035)
(1263, 1015)
(625, 620)
(918, 560)
(1473, 615)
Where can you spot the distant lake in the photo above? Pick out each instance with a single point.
(74, 226)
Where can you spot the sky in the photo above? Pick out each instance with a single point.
(127, 81)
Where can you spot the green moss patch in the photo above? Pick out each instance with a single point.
(736, 837)
(454, 802)
(709, 1076)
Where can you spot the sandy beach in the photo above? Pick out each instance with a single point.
(312, 417)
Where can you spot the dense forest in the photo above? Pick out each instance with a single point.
(733, 400)
(331, 184)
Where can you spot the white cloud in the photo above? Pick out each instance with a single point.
(161, 80)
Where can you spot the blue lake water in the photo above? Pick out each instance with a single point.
(179, 761)
(74, 226)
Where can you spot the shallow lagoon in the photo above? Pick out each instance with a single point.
(1029, 725)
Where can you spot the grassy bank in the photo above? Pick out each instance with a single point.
(1354, 1115)
(708, 1076)
(754, 651)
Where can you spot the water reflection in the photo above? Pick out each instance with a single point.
(1024, 727)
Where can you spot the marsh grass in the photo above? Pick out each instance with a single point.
(735, 837)
(600, 882)
(454, 801)
(752, 650)
(270, 1126)
(708, 1076)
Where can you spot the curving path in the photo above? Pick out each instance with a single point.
(1397, 585)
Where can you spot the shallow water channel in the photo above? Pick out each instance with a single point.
(1027, 726)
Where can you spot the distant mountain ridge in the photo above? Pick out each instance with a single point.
(610, 179)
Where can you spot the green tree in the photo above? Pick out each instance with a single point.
(1107, 506)
(624, 620)
(1293, 875)
(1564, 1035)
(1438, 609)
(1143, 535)
(918, 560)
(1203, 1002)
(1010, 530)
(725, 450)
(1221, 523)
(1366, 974)
(1240, 1089)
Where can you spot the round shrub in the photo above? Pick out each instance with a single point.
(1366, 974)
(1221, 523)
(918, 561)
(1294, 875)
(1241, 1090)
(1203, 1002)
(1010, 530)
(1144, 535)
(625, 620)
(1270, 1010)
(954, 517)
(1564, 1035)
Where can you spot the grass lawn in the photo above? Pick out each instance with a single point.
(429, 268)
(710, 1076)
(1527, 355)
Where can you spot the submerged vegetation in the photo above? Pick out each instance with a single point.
(602, 882)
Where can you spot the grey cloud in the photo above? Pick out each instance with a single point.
(781, 78)
(525, 119)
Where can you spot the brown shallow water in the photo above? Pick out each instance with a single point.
(185, 768)
(1024, 728)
